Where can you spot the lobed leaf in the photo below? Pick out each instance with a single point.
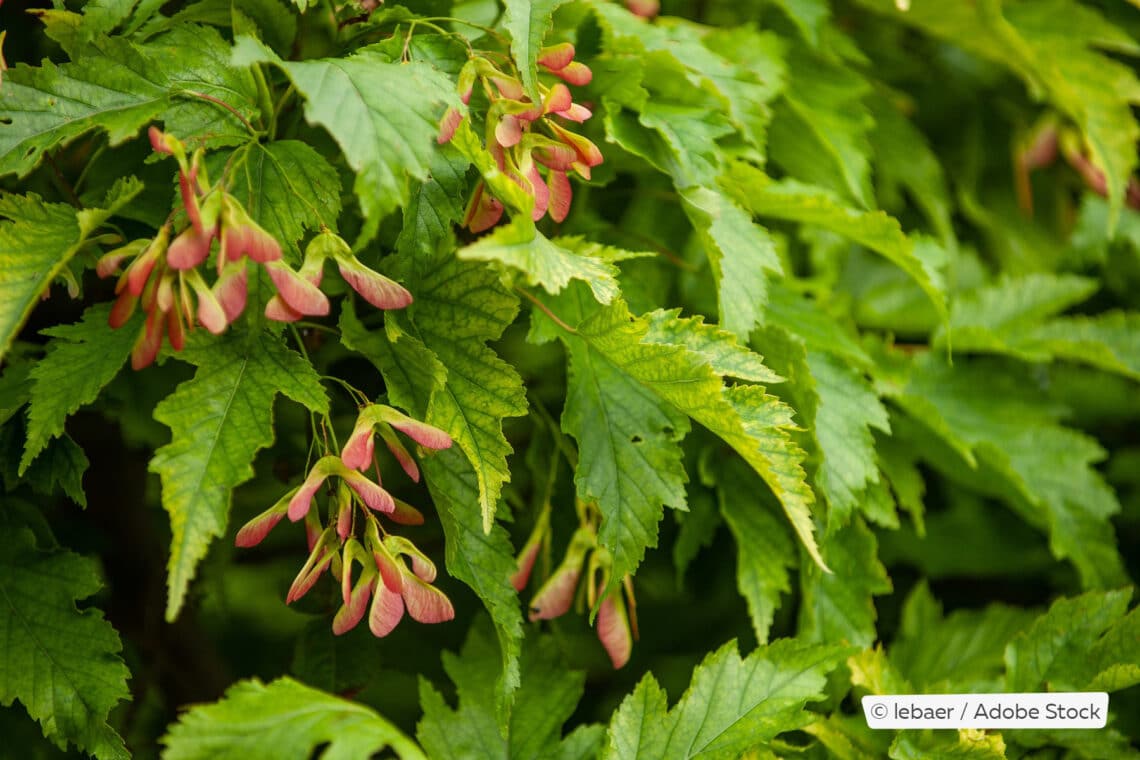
(218, 421)
(283, 720)
(61, 663)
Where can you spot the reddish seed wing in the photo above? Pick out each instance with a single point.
(301, 502)
(387, 611)
(297, 292)
(557, 56)
(557, 594)
(358, 449)
(613, 630)
(373, 495)
(352, 613)
(425, 603)
(560, 195)
(525, 564)
(188, 250)
(279, 311)
(420, 432)
(373, 287)
(231, 290)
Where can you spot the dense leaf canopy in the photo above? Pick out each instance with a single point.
(732, 360)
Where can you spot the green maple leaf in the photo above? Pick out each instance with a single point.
(633, 365)
(1043, 469)
(36, 244)
(60, 466)
(839, 606)
(732, 705)
(119, 86)
(677, 128)
(1086, 643)
(81, 359)
(548, 696)
(459, 307)
(820, 131)
(218, 421)
(1016, 317)
(793, 201)
(543, 261)
(744, 68)
(415, 374)
(764, 548)
(528, 21)
(741, 254)
(384, 115)
(630, 459)
(283, 720)
(63, 665)
(955, 653)
(904, 160)
(847, 411)
(810, 16)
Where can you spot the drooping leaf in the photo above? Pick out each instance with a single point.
(959, 652)
(1045, 468)
(764, 549)
(839, 606)
(62, 664)
(548, 695)
(847, 412)
(792, 201)
(1086, 643)
(744, 67)
(219, 420)
(119, 87)
(384, 115)
(82, 358)
(904, 160)
(283, 719)
(630, 460)
(528, 21)
(36, 244)
(542, 261)
(741, 253)
(809, 15)
(756, 425)
(732, 705)
(59, 467)
(1015, 316)
(459, 307)
(820, 131)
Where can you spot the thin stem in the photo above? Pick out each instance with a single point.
(318, 326)
(88, 164)
(546, 310)
(223, 104)
(279, 108)
(356, 394)
(266, 103)
(61, 180)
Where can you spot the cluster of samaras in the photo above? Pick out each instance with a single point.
(385, 586)
(165, 276)
(616, 607)
(528, 145)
